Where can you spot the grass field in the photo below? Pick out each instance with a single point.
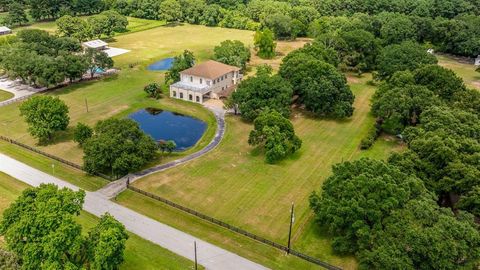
(134, 25)
(139, 253)
(168, 41)
(4, 95)
(465, 70)
(256, 196)
(122, 94)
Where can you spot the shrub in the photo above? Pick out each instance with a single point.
(82, 133)
(153, 90)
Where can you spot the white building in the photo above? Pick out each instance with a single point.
(477, 61)
(95, 44)
(210, 79)
(5, 30)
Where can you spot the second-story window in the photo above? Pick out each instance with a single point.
(201, 80)
(191, 79)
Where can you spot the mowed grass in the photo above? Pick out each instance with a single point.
(123, 93)
(168, 41)
(256, 196)
(4, 95)
(134, 25)
(466, 71)
(139, 253)
(111, 97)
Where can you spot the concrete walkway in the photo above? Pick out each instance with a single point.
(18, 89)
(210, 256)
(114, 188)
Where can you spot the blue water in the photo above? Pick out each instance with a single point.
(166, 125)
(164, 64)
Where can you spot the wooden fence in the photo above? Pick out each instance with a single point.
(235, 229)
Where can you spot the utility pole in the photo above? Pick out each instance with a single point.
(195, 249)
(292, 220)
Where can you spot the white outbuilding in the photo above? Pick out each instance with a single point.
(96, 44)
(5, 30)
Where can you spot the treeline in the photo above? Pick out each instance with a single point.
(104, 24)
(40, 59)
(451, 25)
(417, 210)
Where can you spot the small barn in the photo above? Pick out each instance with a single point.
(5, 30)
(96, 44)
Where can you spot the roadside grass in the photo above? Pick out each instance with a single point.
(465, 70)
(139, 253)
(4, 95)
(239, 244)
(44, 164)
(256, 196)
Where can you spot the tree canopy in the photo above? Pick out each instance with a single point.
(180, 62)
(40, 227)
(255, 94)
(275, 134)
(45, 115)
(118, 146)
(320, 86)
(232, 52)
(265, 45)
(404, 56)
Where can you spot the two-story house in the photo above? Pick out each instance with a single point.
(208, 80)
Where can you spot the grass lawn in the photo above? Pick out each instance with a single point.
(134, 25)
(122, 94)
(168, 41)
(4, 95)
(465, 70)
(139, 253)
(256, 196)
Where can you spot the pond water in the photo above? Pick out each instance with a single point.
(166, 125)
(164, 64)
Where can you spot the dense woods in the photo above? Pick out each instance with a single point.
(451, 26)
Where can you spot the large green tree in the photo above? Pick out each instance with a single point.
(180, 62)
(404, 56)
(118, 146)
(256, 94)
(265, 45)
(16, 15)
(321, 87)
(45, 115)
(170, 10)
(232, 52)
(40, 227)
(275, 134)
(356, 199)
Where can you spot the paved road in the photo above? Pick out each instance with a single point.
(210, 256)
(113, 189)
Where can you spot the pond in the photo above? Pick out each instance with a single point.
(164, 64)
(166, 125)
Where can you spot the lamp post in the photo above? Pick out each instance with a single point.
(292, 220)
(195, 249)
(53, 168)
